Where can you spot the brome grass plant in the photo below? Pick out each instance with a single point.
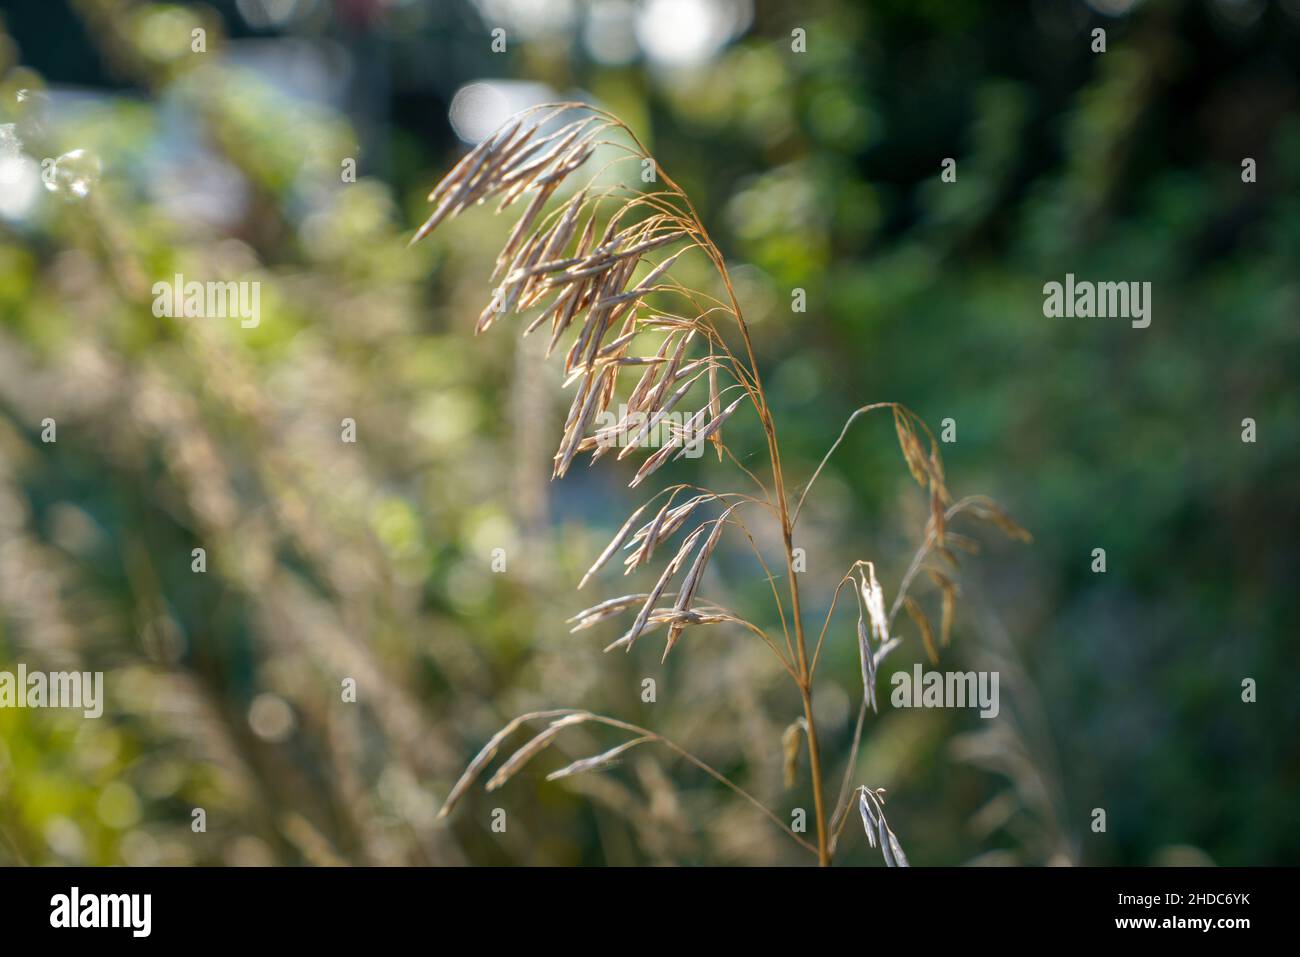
(595, 275)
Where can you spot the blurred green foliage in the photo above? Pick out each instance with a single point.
(817, 171)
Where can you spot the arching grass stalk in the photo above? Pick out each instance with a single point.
(574, 271)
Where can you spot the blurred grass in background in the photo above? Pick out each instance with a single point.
(817, 171)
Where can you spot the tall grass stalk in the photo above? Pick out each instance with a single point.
(577, 266)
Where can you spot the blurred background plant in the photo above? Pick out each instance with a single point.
(816, 170)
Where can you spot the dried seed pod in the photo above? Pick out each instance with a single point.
(605, 609)
(638, 626)
(533, 748)
(868, 664)
(949, 589)
(873, 599)
(923, 623)
(692, 581)
(612, 547)
(487, 753)
(790, 741)
(596, 763)
(715, 403)
(870, 806)
(703, 434)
